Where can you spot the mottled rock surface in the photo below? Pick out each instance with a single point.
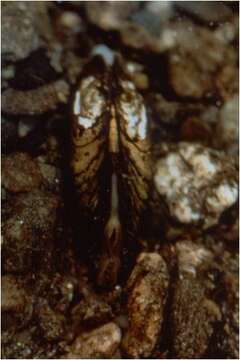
(198, 183)
(193, 75)
(147, 292)
(28, 234)
(193, 319)
(20, 173)
(91, 311)
(35, 102)
(22, 28)
(100, 343)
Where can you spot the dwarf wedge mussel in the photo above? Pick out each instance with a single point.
(110, 158)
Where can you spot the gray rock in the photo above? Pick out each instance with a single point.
(22, 26)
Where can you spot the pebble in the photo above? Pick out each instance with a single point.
(193, 317)
(8, 72)
(191, 256)
(20, 173)
(51, 176)
(198, 183)
(25, 127)
(147, 292)
(35, 102)
(23, 26)
(71, 21)
(91, 310)
(100, 343)
(29, 231)
(194, 76)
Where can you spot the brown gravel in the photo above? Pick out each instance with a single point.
(34, 102)
(20, 173)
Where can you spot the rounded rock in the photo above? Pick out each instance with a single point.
(20, 173)
(100, 343)
(147, 289)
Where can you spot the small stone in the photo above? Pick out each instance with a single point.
(194, 76)
(100, 343)
(91, 311)
(210, 114)
(186, 80)
(20, 173)
(227, 334)
(25, 127)
(51, 176)
(29, 231)
(163, 110)
(34, 102)
(109, 16)
(71, 21)
(147, 293)
(228, 30)
(20, 34)
(192, 319)
(8, 72)
(191, 256)
(197, 183)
